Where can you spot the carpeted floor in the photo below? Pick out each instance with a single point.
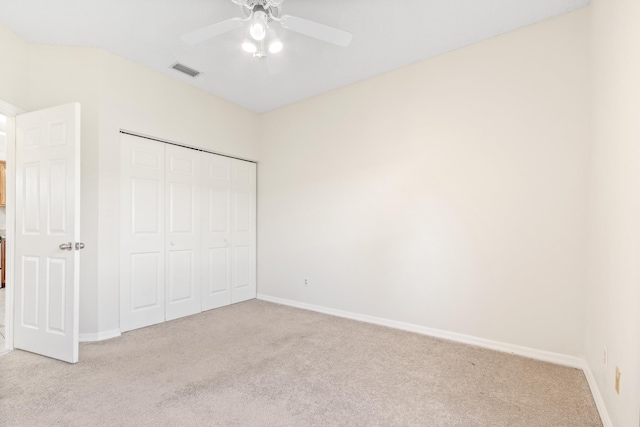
(262, 364)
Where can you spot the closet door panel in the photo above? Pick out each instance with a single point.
(145, 277)
(183, 293)
(181, 269)
(216, 231)
(243, 234)
(218, 273)
(142, 232)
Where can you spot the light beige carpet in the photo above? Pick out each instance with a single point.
(262, 364)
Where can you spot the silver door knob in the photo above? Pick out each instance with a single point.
(173, 243)
(66, 246)
(79, 246)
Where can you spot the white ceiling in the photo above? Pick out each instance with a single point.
(387, 34)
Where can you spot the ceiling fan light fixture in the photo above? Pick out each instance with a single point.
(258, 28)
(249, 47)
(275, 46)
(260, 39)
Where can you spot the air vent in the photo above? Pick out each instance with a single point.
(186, 70)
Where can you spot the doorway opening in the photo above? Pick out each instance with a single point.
(3, 228)
(7, 151)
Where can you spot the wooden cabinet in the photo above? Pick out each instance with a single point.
(3, 183)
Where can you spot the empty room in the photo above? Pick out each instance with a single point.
(305, 213)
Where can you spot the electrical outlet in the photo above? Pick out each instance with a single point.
(306, 282)
(617, 380)
(606, 356)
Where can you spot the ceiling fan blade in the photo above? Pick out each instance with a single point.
(212, 31)
(316, 30)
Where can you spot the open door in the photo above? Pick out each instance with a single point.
(47, 232)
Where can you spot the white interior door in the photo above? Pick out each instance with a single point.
(216, 231)
(47, 232)
(183, 293)
(243, 231)
(142, 236)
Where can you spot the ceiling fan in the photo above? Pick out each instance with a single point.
(261, 38)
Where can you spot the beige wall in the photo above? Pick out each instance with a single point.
(613, 309)
(13, 71)
(450, 194)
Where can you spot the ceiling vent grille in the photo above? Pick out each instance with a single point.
(186, 70)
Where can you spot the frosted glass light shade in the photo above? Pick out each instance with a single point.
(258, 28)
(275, 46)
(249, 47)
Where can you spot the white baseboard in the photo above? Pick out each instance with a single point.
(99, 336)
(595, 391)
(532, 353)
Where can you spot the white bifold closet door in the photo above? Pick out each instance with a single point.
(183, 294)
(243, 231)
(142, 236)
(216, 231)
(228, 231)
(188, 232)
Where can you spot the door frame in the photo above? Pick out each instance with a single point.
(10, 111)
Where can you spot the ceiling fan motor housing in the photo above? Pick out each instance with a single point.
(269, 8)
